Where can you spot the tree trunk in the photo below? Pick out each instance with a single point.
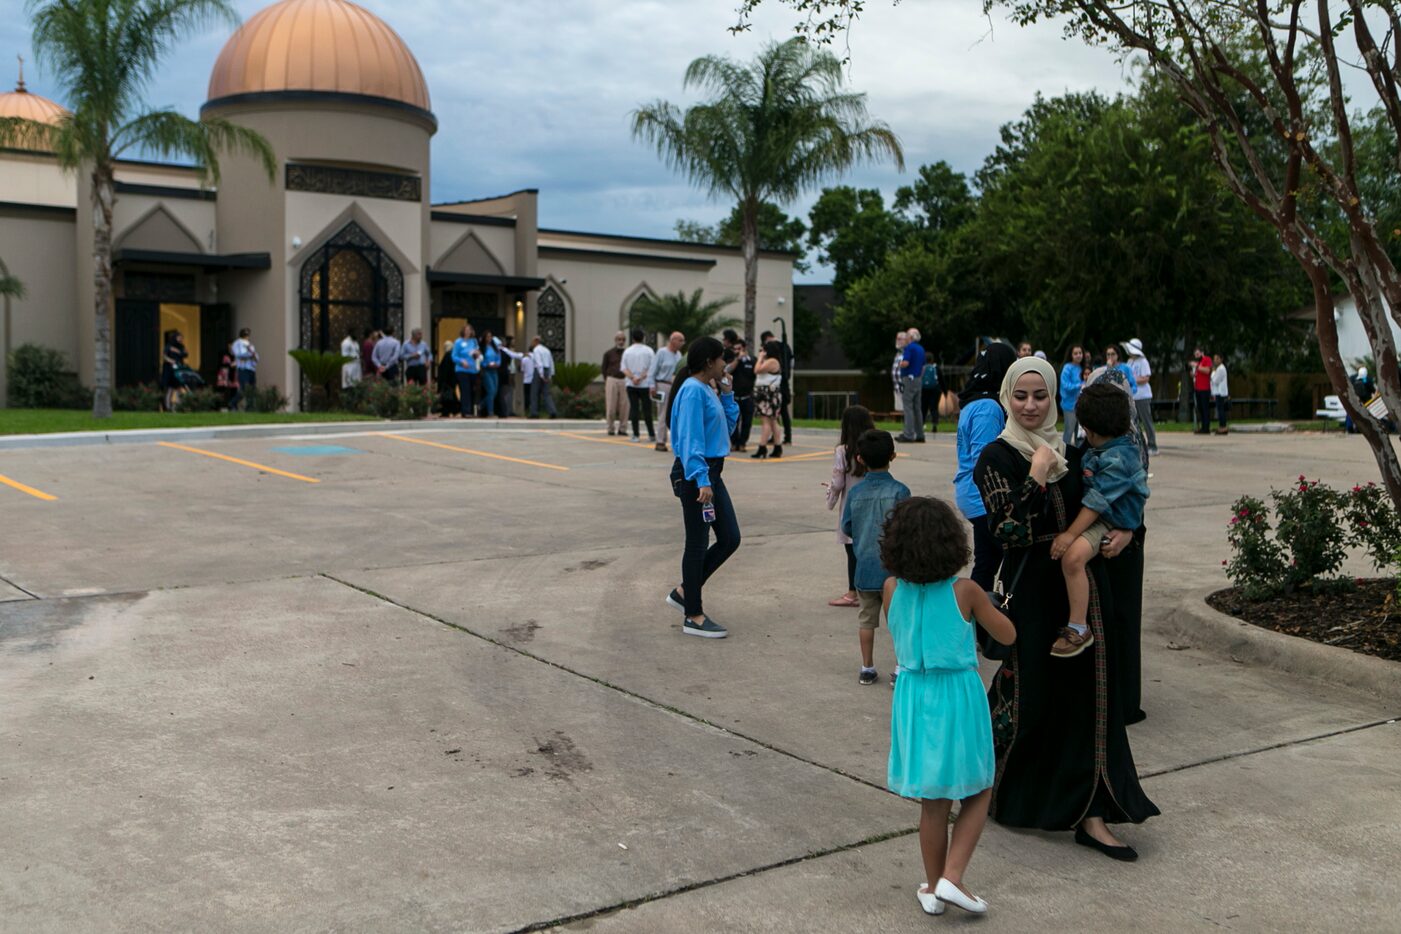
(103, 196)
(749, 243)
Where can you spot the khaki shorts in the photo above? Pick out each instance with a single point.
(868, 617)
(1095, 535)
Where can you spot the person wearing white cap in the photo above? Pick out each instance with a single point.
(1143, 392)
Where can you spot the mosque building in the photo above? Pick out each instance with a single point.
(344, 238)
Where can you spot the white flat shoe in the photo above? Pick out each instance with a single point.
(946, 891)
(929, 901)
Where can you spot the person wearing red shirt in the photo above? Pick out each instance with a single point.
(1201, 388)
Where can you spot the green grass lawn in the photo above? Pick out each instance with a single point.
(48, 421)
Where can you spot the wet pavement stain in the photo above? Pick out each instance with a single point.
(29, 626)
(563, 758)
(521, 632)
(592, 564)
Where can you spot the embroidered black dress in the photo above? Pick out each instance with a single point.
(1058, 724)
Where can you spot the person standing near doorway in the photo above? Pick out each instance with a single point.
(912, 388)
(615, 385)
(466, 358)
(544, 375)
(636, 364)
(1221, 394)
(386, 356)
(491, 373)
(506, 392)
(367, 352)
(417, 358)
(447, 382)
(246, 361)
(1201, 389)
(350, 370)
(664, 366)
(1143, 392)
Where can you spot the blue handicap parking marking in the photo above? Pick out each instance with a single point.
(317, 450)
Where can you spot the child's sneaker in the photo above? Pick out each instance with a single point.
(868, 676)
(1071, 643)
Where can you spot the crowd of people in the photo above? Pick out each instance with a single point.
(1054, 593)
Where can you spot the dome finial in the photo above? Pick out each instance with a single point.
(20, 87)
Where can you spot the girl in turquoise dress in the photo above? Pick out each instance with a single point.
(940, 728)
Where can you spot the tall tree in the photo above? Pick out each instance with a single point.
(853, 232)
(769, 130)
(104, 53)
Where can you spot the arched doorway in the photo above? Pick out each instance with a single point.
(349, 286)
(552, 319)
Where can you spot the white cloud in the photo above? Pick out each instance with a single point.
(536, 93)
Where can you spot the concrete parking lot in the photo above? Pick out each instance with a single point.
(425, 680)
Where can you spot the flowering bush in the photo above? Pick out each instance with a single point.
(1308, 528)
(1257, 564)
(1373, 524)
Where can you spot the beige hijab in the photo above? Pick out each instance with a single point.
(1026, 441)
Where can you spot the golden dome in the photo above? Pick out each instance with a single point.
(25, 105)
(321, 47)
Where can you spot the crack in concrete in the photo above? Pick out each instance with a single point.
(29, 593)
(1226, 757)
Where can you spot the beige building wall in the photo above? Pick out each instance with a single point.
(35, 178)
(193, 230)
(500, 242)
(37, 247)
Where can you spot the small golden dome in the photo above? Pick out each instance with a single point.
(318, 46)
(23, 104)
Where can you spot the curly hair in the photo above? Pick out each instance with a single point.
(924, 540)
(1104, 409)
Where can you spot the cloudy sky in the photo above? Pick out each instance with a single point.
(536, 93)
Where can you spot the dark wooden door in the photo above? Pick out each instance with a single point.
(215, 332)
(136, 342)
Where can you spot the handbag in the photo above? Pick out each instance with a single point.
(1001, 598)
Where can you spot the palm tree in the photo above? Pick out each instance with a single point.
(104, 52)
(768, 131)
(680, 312)
(10, 287)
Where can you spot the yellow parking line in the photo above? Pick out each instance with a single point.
(37, 494)
(578, 437)
(449, 447)
(235, 460)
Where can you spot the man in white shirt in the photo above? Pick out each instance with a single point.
(1143, 395)
(544, 372)
(637, 366)
(385, 356)
(664, 366)
(246, 360)
(350, 372)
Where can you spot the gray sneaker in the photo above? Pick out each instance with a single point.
(707, 628)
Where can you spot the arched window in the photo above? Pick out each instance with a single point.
(649, 336)
(552, 317)
(349, 286)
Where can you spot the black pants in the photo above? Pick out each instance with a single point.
(785, 398)
(1223, 409)
(417, 374)
(746, 419)
(640, 403)
(247, 380)
(701, 559)
(987, 554)
(929, 403)
(1203, 410)
(850, 566)
(467, 390)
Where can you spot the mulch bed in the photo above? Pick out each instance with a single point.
(1365, 619)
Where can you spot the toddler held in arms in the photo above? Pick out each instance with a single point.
(940, 729)
(1116, 488)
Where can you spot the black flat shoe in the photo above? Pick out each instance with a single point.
(1124, 854)
(1137, 717)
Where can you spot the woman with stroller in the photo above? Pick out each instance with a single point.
(172, 362)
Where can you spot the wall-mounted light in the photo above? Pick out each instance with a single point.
(296, 243)
(782, 300)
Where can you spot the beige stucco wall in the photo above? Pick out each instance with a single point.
(36, 179)
(500, 241)
(38, 250)
(198, 218)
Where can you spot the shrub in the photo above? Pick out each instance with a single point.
(1257, 564)
(322, 371)
(414, 401)
(1373, 524)
(1308, 528)
(356, 398)
(381, 398)
(203, 399)
(143, 397)
(584, 405)
(39, 378)
(575, 377)
(267, 399)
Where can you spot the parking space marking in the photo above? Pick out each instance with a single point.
(239, 461)
(37, 494)
(449, 447)
(579, 437)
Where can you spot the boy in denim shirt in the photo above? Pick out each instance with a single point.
(867, 505)
(1116, 488)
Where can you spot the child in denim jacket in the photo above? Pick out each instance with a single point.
(1116, 489)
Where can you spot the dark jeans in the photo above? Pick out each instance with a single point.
(987, 554)
(417, 374)
(504, 394)
(850, 566)
(746, 419)
(390, 374)
(929, 403)
(466, 391)
(701, 559)
(785, 396)
(247, 379)
(640, 403)
(489, 384)
(540, 389)
(1203, 409)
(1223, 409)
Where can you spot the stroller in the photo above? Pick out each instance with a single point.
(188, 378)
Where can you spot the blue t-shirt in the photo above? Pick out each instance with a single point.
(492, 357)
(979, 424)
(1071, 382)
(914, 355)
(863, 517)
(462, 359)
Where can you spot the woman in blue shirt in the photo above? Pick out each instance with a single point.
(466, 357)
(980, 420)
(702, 416)
(491, 373)
(1071, 381)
